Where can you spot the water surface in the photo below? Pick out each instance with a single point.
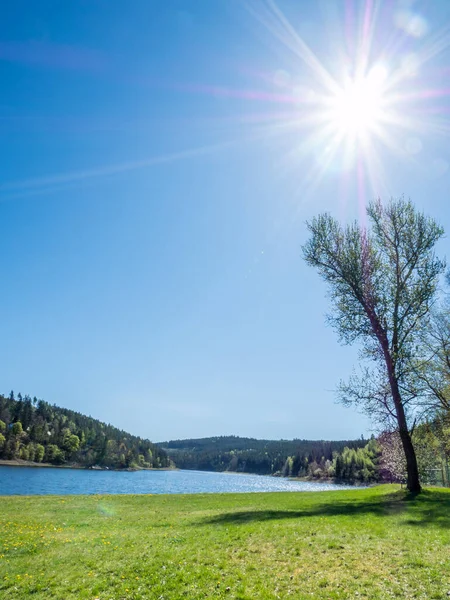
(41, 480)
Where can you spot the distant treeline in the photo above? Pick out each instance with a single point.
(379, 459)
(294, 458)
(31, 429)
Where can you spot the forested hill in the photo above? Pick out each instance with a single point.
(264, 457)
(31, 429)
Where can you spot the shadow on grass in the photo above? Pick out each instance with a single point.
(431, 507)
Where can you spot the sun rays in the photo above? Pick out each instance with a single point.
(367, 87)
(374, 98)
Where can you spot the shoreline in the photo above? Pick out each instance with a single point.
(17, 462)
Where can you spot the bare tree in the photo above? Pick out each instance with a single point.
(382, 282)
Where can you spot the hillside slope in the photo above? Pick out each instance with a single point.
(264, 457)
(31, 429)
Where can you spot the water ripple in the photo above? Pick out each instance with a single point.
(32, 481)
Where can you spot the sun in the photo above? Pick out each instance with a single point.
(358, 108)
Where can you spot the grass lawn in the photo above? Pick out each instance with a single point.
(373, 543)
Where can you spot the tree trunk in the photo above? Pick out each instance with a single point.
(412, 470)
(412, 481)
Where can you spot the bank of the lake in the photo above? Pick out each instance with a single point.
(18, 462)
(32, 481)
(375, 543)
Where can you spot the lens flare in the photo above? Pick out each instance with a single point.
(365, 94)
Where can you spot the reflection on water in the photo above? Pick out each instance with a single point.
(31, 481)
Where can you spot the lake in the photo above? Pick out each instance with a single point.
(37, 481)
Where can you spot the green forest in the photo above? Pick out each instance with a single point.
(264, 457)
(379, 459)
(33, 430)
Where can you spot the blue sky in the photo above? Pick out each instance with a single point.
(158, 162)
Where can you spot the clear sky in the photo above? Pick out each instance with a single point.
(158, 160)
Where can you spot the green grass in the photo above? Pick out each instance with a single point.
(373, 543)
